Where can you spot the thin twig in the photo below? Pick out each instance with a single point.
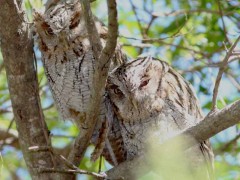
(72, 171)
(223, 23)
(233, 81)
(220, 73)
(153, 39)
(235, 58)
(160, 40)
(20, 13)
(138, 45)
(185, 11)
(39, 148)
(93, 35)
(137, 18)
(48, 107)
(62, 136)
(6, 133)
(228, 144)
(150, 24)
(143, 32)
(236, 53)
(3, 111)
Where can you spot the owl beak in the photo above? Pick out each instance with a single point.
(134, 103)
(64, 40)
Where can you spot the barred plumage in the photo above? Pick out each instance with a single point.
(146, 94)
(151, 100)
(68, 60)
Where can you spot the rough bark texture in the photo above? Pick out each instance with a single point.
(17, 51)
(103, 60)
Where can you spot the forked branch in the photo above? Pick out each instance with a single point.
(103, 58)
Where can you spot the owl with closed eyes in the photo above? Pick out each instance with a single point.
(68, 60)
(153, 101)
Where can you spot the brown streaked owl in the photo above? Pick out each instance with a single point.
(151, 100)
(68, 58)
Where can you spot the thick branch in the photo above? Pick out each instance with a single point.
(100, 75)
(17, 51)
(205, 129)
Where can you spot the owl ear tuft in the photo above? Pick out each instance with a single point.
(37, 17)
(147, 66)
(75, 19)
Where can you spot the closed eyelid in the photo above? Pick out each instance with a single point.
(113, 86)
(144, 82)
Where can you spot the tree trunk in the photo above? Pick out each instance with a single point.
(17, 51)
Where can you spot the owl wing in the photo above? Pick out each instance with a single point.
(185, 99)
(114, 151)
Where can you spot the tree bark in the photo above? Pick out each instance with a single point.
(17, 51)
(103, 59)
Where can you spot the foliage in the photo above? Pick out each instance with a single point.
(190, 35)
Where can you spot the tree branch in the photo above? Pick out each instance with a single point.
(73, 171)
(190, 11)
(103, 58)
(160, 40)
(223, 23)
(233, 81)
(226, 146)
(8, 137)
(17, 51)
(220, 73)
(205, 129)
(92, 30)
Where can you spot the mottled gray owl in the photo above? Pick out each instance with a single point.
(151, 100)
(68, 58)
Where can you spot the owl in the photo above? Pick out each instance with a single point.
(68, 60)
(152, 101)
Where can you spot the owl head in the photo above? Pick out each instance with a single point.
(134, 88)
(61, 24)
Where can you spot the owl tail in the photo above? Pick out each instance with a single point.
(209, 158)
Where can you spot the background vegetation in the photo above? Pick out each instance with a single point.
(192, 36)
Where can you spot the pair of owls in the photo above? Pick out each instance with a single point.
(144, 99)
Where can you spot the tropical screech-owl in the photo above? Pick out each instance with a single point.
(151, 100)
(68, 58)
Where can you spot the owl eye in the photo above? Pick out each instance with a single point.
(144, 83)
(116, 90)
(47, 29)
(49, 32)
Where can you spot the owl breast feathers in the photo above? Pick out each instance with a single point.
(69, 63)
(152, 101)
(67, 56)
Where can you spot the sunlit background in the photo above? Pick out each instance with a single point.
(191, 35)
